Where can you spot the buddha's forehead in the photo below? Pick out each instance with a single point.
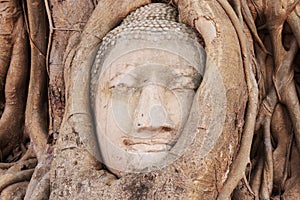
(151, 56)
(149, 60)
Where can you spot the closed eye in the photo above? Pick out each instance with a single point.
(122, 82)
(184, 84)
(120, 86)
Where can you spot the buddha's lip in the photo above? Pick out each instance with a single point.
(150, 148)
(148, 141)
(148, 145)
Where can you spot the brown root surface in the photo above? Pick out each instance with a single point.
(36, 108)
(19, 172)
(14, 191)
(13, 75)
(278, 116)
(9, 179)
(243, 156)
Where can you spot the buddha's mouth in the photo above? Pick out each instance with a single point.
(147, 145)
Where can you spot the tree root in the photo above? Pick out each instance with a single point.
(9, 179)
(267, 108)
(283, 91)
(248, 185)
(13, 60)
(26, 164)
(243, 158)
(13, 69)
(257, 177)
(291, 189)
(40, 179)
(36, 108)
(26, 160)
(287, 163)
(251, 24)
(237, 6)
(267, 181)
(284, 73)
(18, 172)
(281, 134)
(294, 22)
(283, 85)
(42, 189)
(14, 191)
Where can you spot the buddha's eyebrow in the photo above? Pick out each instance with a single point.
(190, 70)
(122, 75)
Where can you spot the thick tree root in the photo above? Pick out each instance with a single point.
(36, 108)
(13, 60)
(246, 14)
(13, 72)
(18, 166)
(39, 185)
(19, 172)
(287, 164)
(267, 181)
(283, 90)
(42, 189)
(9, 179)
(283, 75)
(257, 177)
(243, 157)
(14, 191)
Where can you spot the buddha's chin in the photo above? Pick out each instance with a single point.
(134, 155)
(139, 162)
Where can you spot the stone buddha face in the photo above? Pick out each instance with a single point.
(142, 88)
(142, 103)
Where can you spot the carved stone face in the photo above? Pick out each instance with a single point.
(142, 103)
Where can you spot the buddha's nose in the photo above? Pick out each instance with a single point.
(150, 114)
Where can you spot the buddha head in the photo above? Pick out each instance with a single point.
(144, 78)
